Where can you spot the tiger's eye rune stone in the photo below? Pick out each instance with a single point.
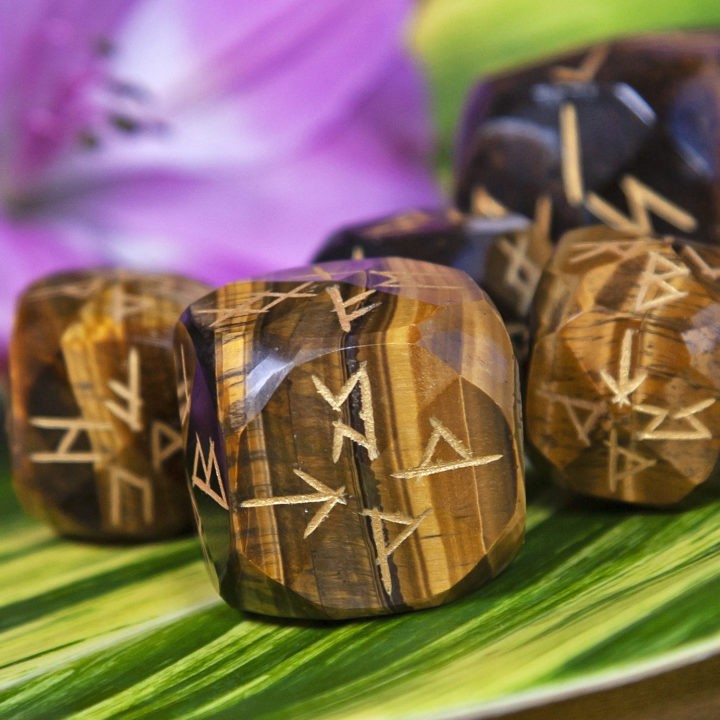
(625, 133)
(353, 441)
(96, 449)
(622, 394)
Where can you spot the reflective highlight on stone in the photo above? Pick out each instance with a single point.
(354, 440)
(623, 383)
(627, 134)
(95, 439)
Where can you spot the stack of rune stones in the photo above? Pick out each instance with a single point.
(351, 430)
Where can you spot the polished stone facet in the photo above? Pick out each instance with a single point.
(503, 252)
(95, 444)
(627, 134)
(624, 378)
(354, 440)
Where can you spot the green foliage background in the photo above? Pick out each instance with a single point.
(599, 594)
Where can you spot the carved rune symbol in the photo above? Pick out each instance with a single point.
(183, 390)
(655, 288)
(521, 273)
(341, 306)
(623, 462)
(705, 270)
(210, 468)
(79, 290)
(574, 407)
(165, 441)
(623, 385)
(124, 304)
(694, 428)
(641, 199)
(341, 430)
(325, 495)
(428, 467)
(586, 71)
(246, 306)
(618, 249)
(377, 518)
(64, 452)
(119, 477)
(131, 413)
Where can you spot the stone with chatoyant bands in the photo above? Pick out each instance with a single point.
(354, 441)
(96, 449)
(622, 393)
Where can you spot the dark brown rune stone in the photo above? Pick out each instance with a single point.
(353, 441)
(622, 395)
(96, 449)
(625, 133)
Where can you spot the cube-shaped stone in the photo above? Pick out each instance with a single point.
(354, 440)
(96, 449)
(624, 378)
(502, 252)
(625, 133)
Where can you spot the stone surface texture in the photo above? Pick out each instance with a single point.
(622, 394)
(96, 449)
(354, 441)
(626, 133)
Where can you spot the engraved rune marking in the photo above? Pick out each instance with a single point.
(64, 452)
(521, 273)
(383, 551)
(623, 385)
(427, 467)
(654, 431)
(655, 288)
(165, 441)
(623, 463)
(573, 408)
(586, 71)
(183, 390)
(341, 430)
(341, 306)
(124, 305)
(483, 203)
(245, 307)
(325, 495)
(399, 278)
(120, 477)
(618, 249)
(403, 223)
(210, 467)
(571, 157)
(691, 255)
(640, 199)
(130, 414)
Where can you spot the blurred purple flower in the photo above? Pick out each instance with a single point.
(219, 138)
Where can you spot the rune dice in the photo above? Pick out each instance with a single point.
(625, 371)
(354, 440)
(627, 134)
(503, 252)
(96, 449)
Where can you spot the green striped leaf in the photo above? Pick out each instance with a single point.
(598, 593)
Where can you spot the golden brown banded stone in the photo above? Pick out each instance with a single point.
(353, 440)
(624, 378)
(94, 427)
